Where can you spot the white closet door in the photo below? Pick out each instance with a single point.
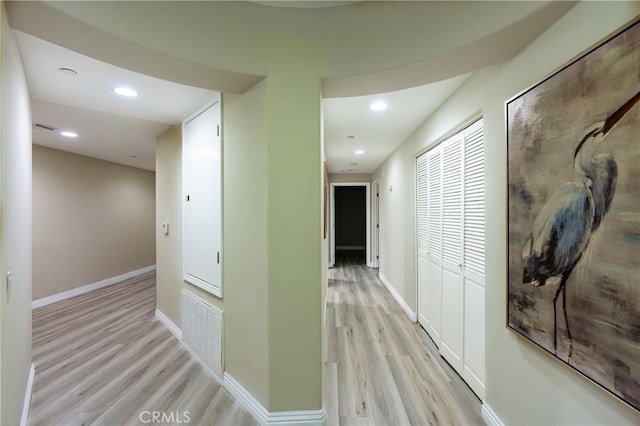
(474, 248)
(434, 228)
(202, 185)
(452, 335)
(450, 218)
(422, 224)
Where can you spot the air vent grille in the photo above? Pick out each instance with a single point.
(44, 127)
(202, 330)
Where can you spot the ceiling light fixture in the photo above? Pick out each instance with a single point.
(69, 134)
(378, 106)
(358, 152)
(126, 91)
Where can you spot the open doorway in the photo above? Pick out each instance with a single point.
(350, 223)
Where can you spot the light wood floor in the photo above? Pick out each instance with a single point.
(381, 369)
(102, 358)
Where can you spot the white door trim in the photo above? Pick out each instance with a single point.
(375, 224)
(332, 210)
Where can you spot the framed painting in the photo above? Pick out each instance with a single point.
(574, 214)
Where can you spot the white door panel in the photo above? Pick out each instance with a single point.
(474, 337)
(452, 319)
(450, 250)
(434, 301)
(202, 174)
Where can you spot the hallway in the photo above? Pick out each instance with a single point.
(102, 358)
(380, 368)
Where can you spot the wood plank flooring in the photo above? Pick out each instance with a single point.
(381, 369)
(101, 358)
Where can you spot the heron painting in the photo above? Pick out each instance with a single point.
(574, 214)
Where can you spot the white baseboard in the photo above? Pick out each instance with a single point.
(413, 317)
(169, 325)
(264, 417)
(90, 287)
(27, 397)
(490, 417)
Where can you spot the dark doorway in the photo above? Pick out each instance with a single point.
(350, 224)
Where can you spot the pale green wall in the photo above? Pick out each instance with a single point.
(272, 274)
(245, 240)
(85, 191)
(15, 231)
(169, 209)
(293, 198)
(523, 384)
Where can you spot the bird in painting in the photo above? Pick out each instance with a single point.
(563, 228)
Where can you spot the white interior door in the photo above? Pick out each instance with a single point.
(452, 337)
(422, 224)
(474, 249)
(434, 262)
(450, 251)
(375, 240)
(202, 184)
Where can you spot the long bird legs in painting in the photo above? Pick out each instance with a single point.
(565, 224)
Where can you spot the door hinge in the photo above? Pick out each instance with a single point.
(218, 256)
(378, 225)
(188, 197)
(377, 257)
(218, 130)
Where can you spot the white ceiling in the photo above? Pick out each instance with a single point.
(351, 125)
(398, 45)
(101, 135)
(110, 127)
(123, 130)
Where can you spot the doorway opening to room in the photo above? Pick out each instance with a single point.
(350, 224)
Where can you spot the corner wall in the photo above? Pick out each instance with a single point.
(245, 240)
(92, 220)
(244, 237)
(524, 385)
(15, 231)
(169, 209)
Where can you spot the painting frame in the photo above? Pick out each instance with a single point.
(559, 292)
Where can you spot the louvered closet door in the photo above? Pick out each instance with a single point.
(452, 335)
(474, 249)
(422, 223)
(450, 243)
(434, 260)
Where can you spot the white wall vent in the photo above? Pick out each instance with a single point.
(202, 330)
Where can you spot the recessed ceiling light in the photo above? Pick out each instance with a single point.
(351, 137)
(69, 134)
(358, 152)
(126, 91)
(133, 156)
(68, 71)
(378, 106)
